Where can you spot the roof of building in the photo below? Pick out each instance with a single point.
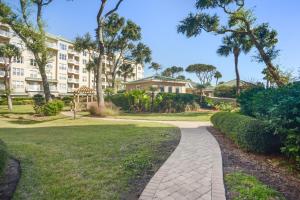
(157, 78)
(233, 83)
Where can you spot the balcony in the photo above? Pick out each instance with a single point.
(73, 71)
(73, 61)
(52, 45)
(40, 80)
(73, 80)
(5, 34)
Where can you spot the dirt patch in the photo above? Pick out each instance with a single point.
(10, 179)
(265, 168)
(164, 150)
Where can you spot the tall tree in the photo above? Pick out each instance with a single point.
(141, 54)
(86, 43)
(217, 76)
(240, 21)
(172, 72)
(120, 37)
(102, 15)
(167, 72)
(235, 44)
(155, 66)
(32, 33)
(8, 52)
(125, 71)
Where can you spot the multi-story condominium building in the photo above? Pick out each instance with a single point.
(66, 70)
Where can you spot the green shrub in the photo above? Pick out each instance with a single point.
(247, 132)
(67, 100)
(281, 108)
(3, 156)
(109, 110)
(17, 101)
(53, 108)
(225, 91)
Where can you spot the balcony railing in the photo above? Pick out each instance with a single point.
(52, 45)
(73, 71)
(73, 61)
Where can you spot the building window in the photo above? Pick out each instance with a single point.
(62, 76)
(34, 74)
(17, 84)
(62, 56)
(84, 53)
(18, 71)
(177, 90)
(49, 75)
(170, 89)
(84, 79)
(32, 62)
(84, 70)
(63, 67)
(49, 66)
(18, 59)
(63, 47)
(63, 86)
(162, 89)
(84, 61)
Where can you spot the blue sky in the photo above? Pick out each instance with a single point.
(159, 19)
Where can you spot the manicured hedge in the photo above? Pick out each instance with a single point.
(3, 156)
(247, 132)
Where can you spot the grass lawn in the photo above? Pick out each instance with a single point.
(186, 116)
(243, 186)
(84, 159)
(17, 109)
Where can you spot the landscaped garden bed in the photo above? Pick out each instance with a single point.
(272, 170)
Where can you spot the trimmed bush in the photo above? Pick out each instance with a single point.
(281, 108)
(53, 108)
(3, 156)
(247, 132)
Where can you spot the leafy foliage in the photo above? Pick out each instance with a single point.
(204, 72)
(247, 132)
(281, 108)
(53, 108)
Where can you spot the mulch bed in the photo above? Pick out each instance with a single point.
(265, 168)
(10, 179)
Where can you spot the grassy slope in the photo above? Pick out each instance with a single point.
(243, 186)
(82, 159)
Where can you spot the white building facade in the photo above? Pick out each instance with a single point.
(66, 69)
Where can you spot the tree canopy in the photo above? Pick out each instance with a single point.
(204, 72)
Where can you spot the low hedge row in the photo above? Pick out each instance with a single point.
(3, 156)
(17, 101)
(247, 132)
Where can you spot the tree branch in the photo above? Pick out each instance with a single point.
(114, 9)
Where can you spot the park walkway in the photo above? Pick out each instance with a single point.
(194, 169)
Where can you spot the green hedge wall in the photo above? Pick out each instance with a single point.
(3, 156)
(247, 132)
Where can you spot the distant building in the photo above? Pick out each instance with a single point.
(161, 83)
(66, 70)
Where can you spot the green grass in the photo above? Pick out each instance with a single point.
(186, 116)
(17, 109)
(243, 186)
(84, 159)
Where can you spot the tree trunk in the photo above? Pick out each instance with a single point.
(45, 82)
(267, 61)
(237, 73)
(7, 85)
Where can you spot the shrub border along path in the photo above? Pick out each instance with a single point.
(193, 171)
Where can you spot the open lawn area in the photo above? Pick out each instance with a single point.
(186, 116)
(85, 159)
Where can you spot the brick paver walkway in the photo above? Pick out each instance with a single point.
(193, 171)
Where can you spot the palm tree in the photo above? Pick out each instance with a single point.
(155, 66)
(8, 51)
(217, 76)
(126, 70)
(235, 44)
(141, 54)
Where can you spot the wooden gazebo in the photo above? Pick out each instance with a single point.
(85, 92)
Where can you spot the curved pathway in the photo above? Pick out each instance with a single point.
(193, 171)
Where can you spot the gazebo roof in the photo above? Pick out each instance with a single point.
(84, 90)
